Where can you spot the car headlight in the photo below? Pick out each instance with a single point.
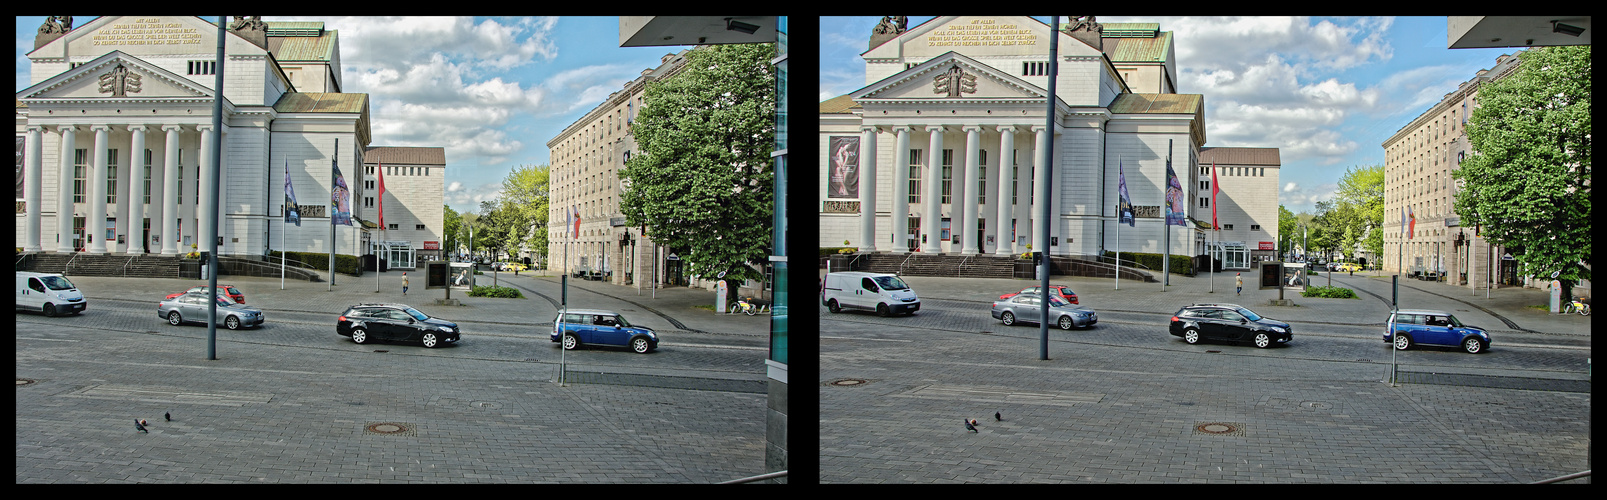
(1276, 329)
(446, 329)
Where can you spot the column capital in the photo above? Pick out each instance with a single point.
(971, 128)
(101, 127)
(66, 128)
(203, 127)
(936, 128)
(869, 128)
(1040, 128)
(1007, 128)
(901, 128)
(138, 127)
(173, 128)
(36, 128)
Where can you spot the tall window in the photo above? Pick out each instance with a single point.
(147, 177)
(915, 175)
(982, 181)
(1036, 68)
(111, 176)
(78, 174)
(948, 175)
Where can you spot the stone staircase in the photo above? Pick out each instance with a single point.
(982, 266)
(150, 266)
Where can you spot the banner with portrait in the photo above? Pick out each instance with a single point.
(844, 174)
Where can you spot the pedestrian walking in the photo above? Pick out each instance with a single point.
(1238, 283)
(404, 284)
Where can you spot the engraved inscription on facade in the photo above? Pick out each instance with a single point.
(981, 32)
(147, 31)
(841, 207)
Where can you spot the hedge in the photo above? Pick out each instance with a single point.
(344, 264)
(1181, 264)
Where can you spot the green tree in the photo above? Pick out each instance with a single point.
(702, 181)
(494, 229)
(1361, 193)
(524, 197)
(1527, 183)
(1287, 235)
(451, 223)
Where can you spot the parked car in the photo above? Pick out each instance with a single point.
(192, 307)
(1062, 290)
(1229, 322)
(1431, 327)
(229, 291)
(886, 294)
(365, 323)
(1026, 307)
(576, 327)
(48, 293)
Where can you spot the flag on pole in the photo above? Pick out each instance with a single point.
(1412, 226)
(1126, 207)
(1174, 196)
(381, 197)
(1215, 188)
(340, 196)
(292, 210)
(577, 221)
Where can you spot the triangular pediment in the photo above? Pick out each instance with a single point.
(116, 76)
(950, 76)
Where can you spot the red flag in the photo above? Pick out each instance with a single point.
(1412, 227)
(381, 196)
(1214, 189)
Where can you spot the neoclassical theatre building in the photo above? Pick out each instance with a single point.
(114, 140)
(940, 151)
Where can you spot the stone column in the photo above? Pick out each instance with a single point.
(33, 169)
(1040, 189)
(64, 207)
(95, 231)
(206, 211)
(973, 166)
(170, 192)
(1001, 226)
(134, 227)
(932, 199)
(867, 189)
(900, 207)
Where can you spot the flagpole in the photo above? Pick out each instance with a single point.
(284, 227)
(1166, 222)
(334, 209)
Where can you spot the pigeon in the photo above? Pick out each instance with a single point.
(143, 422)
(996, 417)
(169, 416)
(967, 426)
(140, 427)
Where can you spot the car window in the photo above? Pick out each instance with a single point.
(35, 285)
(1030, 289)
(1250, 314)
(890, 283)
(1055, 301)
(1231, 316)
(622, 322)
(1409, 319)
(867, 284)
(56, 283)
(415, 314)
(1453, 321)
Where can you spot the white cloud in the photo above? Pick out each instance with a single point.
(454, 186)
(1288, 188)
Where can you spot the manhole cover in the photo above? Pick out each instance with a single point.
(390, 429)
(1220, 428)
(848, 382)
(24, 381)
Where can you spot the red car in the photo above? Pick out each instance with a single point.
(1061, 289)
(223, 290)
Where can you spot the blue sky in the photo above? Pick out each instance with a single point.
(491, 90)
(1326, 91)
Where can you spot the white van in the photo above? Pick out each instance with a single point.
(884, 293)
(50, 293)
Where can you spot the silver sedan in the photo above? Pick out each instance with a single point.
(192, 307)
(1027, 307)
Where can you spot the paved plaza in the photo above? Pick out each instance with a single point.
(293, 402)
(1124, 402)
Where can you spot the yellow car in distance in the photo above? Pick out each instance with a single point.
(1347, 267)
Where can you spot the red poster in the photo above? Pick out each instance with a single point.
(1265, 245)
(432, 245)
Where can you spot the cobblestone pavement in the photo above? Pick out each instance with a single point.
(299, 406)
(1124, 402)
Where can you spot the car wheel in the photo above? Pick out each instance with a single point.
(1473, 345)
(833, 307)
(1402, 342)
(430, 340)
(50, 310)
(1009, 319)
(1065, 323)
(881, 310)
(1263, 340)
(570, 342)
(639, 344)
(359, 336)
(232, 323)
(174, 319)
(1191, 336)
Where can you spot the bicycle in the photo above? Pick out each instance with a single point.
(1576, 306)
(750, 306)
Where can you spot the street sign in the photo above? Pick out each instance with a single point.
(1506, 256)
